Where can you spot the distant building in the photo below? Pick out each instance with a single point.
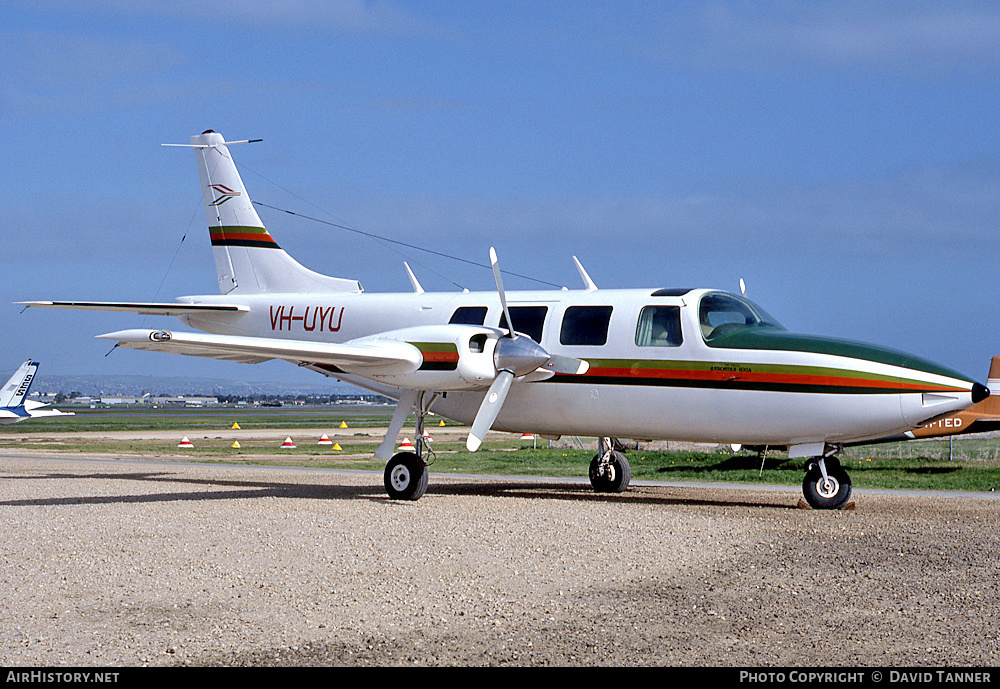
(150, 401)
(114, 400)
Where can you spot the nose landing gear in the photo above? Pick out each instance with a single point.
(826, 485)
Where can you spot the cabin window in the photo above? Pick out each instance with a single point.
(724, 314)
(469, 315)
(585, 325)
(659, 326)
(527, 319)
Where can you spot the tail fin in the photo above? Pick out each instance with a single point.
(16, 389)
(247, 259)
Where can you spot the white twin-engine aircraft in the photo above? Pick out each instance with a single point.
(696, 365)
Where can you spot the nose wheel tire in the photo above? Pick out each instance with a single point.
(830, 493)
(405, 477)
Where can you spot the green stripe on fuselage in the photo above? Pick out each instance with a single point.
(747, 376)
(762, 376)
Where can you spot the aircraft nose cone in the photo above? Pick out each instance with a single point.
(979, 393)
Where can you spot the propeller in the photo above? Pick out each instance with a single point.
(515, 355)
(489, 410)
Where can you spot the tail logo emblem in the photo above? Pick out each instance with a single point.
(224, 192)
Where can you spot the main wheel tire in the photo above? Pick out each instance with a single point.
(831, 493)
(405, 477)
(615, 478)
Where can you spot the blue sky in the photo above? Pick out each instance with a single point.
(842, 158)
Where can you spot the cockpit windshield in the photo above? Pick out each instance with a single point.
(722, 314)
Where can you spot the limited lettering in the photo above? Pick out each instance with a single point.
(950, 422)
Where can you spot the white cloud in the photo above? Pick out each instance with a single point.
(351, 16)
(900, 35)
(59, 71)
(926, 210)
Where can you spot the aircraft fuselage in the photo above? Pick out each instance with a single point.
(752, 385)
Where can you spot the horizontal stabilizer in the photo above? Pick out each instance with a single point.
(381, 357)
(37, 410)
(40, 409)
(145, 308)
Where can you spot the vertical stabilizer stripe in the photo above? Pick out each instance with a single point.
(232, 235)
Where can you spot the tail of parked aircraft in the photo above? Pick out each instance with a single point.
(247, 259)
(16, 389)
(13, 406)
(981, 417)
(991, 405)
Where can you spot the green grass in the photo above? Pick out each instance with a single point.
(972, 464)
(908, 472)
(140, 419)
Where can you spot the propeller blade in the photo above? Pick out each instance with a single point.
(566, 364)
(495, 262)
(489, 409)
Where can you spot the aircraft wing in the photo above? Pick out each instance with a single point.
(145, 308)
(370, 356)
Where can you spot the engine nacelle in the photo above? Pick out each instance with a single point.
(453, 357)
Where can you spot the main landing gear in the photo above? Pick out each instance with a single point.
(405, 475)
(609, 470)
(826, 485)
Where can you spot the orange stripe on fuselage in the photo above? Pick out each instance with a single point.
(796, 379)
